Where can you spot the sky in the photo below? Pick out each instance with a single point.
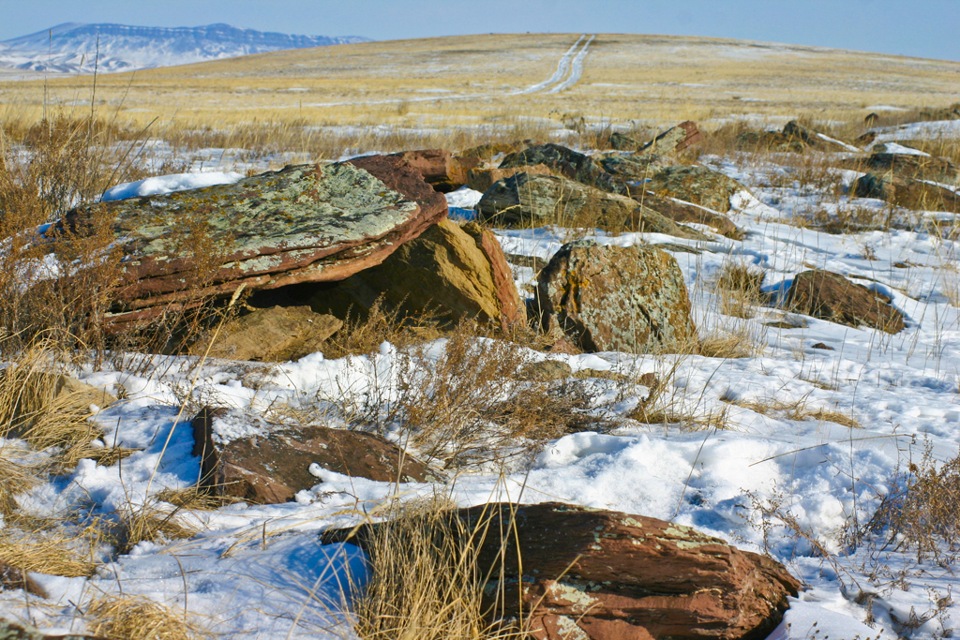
(922, 28)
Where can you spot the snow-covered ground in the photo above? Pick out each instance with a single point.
(776, 476)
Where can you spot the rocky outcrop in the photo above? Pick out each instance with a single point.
(526, 200)
(574, 572)
(830, 296)
(615, 299)
(449, 273)
(692, 183)
(441, 169)
(275, 334)
(243, 456)
(305, 223)
(567, 163)
(907, 193)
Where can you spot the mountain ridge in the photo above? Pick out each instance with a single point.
(108, 47)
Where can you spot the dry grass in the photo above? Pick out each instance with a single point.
(151, 522)
(739, 287)
(426, 583)
(794, 410)
(668, 406)
(136, 618)
(51, 551)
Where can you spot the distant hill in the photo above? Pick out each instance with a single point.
(82, 48)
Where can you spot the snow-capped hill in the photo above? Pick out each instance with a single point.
(84, 48)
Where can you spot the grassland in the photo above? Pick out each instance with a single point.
(443, 84)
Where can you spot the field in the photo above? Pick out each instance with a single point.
(832, 448)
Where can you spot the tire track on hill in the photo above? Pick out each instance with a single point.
(576, 69)
(568, 65)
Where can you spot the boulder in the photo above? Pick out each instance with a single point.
(623, 142)
(907, 193)
(304, 223)
(483, 179)
(567, 163)
(441, 169)
(449, 273)
(830, 296)
(685, 212)
(674, 139)
(526, 200)
(608, 298)
(243, 456)
(592, 574)
(693, 183)
(274, 334)
(631, 167)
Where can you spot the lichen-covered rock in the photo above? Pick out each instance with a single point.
(693, 183)
(449, 273)
(567, 163)
(590, 574)
(306, 223)
(275, 334)
(830, 296)
(608, 298)
(906, 192)
(526, 200)
(242, 455)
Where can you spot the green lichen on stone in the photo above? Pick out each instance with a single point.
(577, 597)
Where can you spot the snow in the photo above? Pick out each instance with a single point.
(777, 478)
(159, 185)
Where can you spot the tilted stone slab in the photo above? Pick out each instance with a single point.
(830, 296)
(592, 574)
(304, 223)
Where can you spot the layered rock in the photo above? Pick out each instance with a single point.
(245, 457)
(692, 183)
(305, 223)
(567, 163)
(526, 200)
(607, 298)
(832, 297)
(674, 139)
(574, 572)
(440, 168)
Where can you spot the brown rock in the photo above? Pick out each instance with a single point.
(674, 139)
(449, 273)
(275, 334)
(615, 298)
(271, 464)
(832, 297)
(906, 192)
(483, 179)
(685, 212)
(306, 223)
(441, 169)
(600, 575)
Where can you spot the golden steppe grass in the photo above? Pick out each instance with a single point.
(475, 81)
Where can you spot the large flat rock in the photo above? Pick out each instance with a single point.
(304, 223)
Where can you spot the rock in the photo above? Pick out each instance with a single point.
(243, 456)
(623, 142)
(631, 166)
(614, 576)
(832, 297)
(685, 212)
(449, 273)
(616, 298)
(567, 163)
(441, 169)
(693, 183)
(305, 223)
(794, 137)
(526, 200)
(483, 179)
(674, 139)
(275, 334)
(908, 165)
(907, 193)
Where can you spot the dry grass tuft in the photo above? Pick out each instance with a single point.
(136, 618)
(364, 333)
(426, 582)
(50, 552)
(151, 522)
(739, 287)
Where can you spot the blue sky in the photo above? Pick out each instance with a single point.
(924, 28)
